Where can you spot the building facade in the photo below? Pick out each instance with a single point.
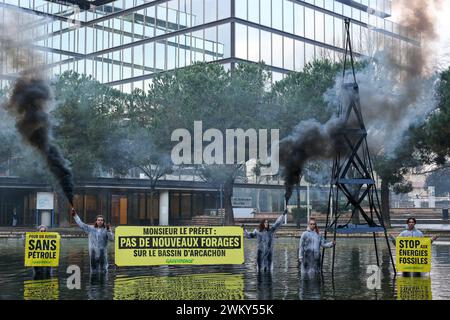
(124, 43)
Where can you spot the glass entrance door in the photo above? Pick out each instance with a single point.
(119, 207)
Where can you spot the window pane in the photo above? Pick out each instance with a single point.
(210, 10)
(266, 13)
(309, 23)
(253, 44)
(299, 55)
(197, 12)
(266, 48)
(241, 9)
(329, 33)
(241, 41)
(288, 53)
(224, 41)
(224, 9)
(319, 26)
(277, 14)
(253, 12)
(277, 50)
(309, 53)
(288, 16)
(338, 33)
(299, 20)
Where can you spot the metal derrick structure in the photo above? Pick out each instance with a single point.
(352, 173)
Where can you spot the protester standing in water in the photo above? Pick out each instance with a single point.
(40, 273)
(411, 231)
(309, 254)
(99, 234)
(265, 238)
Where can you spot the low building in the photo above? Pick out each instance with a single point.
(125, 201)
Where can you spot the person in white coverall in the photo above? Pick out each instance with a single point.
(411, 231)
(309, 253)
(99, 234)
(265, 237)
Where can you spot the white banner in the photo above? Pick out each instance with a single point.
(242, 202)
(44, 201)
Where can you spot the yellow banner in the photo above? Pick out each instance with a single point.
(42, 249)
(414, 288)
(150, 246)
(413, 254)
(213, 286)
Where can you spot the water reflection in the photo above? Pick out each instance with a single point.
(311, 288)
(264, 287)
(42, 273)
(231, 282)
(414, 288)
(41, 289)
(98, 287)
(214, 286)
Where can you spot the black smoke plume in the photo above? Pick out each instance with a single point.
(397, 90)
(28, 101)
(310, 140)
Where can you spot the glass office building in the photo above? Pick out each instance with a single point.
(124, 43)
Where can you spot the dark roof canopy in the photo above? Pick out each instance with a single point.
(83, 4)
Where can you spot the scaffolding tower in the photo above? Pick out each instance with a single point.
(352, 173)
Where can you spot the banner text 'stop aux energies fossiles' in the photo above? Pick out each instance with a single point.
(147, 246)
(413, 254)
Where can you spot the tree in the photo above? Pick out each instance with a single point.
(300, 96)
(85, 119)
(392, 168)
(441, 181)
(436, 145)
(134, 149)
(221, 100)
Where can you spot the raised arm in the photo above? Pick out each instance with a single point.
(86, 228)
(109, 232)
(278, 222)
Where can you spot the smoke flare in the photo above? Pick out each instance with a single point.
(29, 99)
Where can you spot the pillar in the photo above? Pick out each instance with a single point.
(164, 208)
